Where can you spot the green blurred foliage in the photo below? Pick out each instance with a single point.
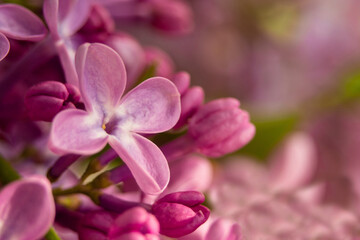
(351, 88)
(7, 172)
(269, 133)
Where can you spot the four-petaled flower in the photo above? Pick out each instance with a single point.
(151, 107)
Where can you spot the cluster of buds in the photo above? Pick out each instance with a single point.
(102, 97)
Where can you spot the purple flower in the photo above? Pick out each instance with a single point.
(151, 107)
(64, 18)
(18, 23)
(180, 213)
(27, 209)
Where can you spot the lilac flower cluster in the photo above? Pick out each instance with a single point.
(120, 135)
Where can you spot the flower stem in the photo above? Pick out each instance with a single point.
(52, 235)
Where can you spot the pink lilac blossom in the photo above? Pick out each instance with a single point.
(151, 107)
(279, 206)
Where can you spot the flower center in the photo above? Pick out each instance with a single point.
(110, 126)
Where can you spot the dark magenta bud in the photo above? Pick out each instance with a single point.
(44, 100)
(99, 24)
(180, 213)
(95, 225)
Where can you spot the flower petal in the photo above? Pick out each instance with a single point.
(19, 23)
(27, 209)
(73, 15)
(152, 107)
(76, 131)
(102, 77)
(4, 46)
(295, 164)
(144, 159)
(51, 9)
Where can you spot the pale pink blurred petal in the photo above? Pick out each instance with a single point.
(189, 173)
(51, 9)
(295, 164)
(4, 46)
(27, 209)
(20, 23)
(73, 15)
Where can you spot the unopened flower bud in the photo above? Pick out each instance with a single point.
(95, 225)
(180, 213)
(99, 22)
(131, 53)
(173, 17)
(135, 223)
(164, 66)
(191, 101)
(220, 127)
(43, 101)
(181, 81)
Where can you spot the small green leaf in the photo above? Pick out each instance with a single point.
(7, 172)
(269, 133)
(52, 235)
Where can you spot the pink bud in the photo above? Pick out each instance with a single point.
(135, 223)
(43, 101)
(191, 101)
(181, 81)
(164, 66)
(131, 53)
(99, 22)
(172, 16)
(95, 225)
(180, 213)
(220, 127)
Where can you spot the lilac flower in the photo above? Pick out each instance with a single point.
(27, 209)
(151, 107)
(18, 23)
(64, 18)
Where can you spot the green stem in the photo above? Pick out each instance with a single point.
(7, 172)
(52, 235)
(7, 175)
(84, 189)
